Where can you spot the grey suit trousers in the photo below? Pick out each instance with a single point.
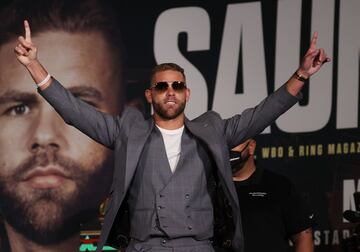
(186, 244)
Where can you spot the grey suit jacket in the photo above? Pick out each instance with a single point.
(126, 134)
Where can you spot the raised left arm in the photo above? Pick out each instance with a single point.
(253, 121)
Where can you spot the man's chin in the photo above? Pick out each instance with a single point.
(46, 223)
(170, 114)
(50, 213)
(46, 215)
(48, 219)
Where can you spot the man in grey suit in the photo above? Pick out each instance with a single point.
(168, 169)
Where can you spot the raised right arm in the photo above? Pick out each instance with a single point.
(100, 126)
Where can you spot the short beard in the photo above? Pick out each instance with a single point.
(164, 113)
(48, 216)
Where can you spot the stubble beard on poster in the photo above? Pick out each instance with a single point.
(67, 212)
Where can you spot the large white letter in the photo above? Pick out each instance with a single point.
(243, 23)
(315, 115)
(196, 23)
(348, 65)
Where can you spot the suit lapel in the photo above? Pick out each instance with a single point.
(137, 138)
(210, 137)
(205, 132)
(161, 171)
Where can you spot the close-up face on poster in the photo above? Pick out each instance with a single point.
(72, 69)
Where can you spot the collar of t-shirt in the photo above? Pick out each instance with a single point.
(172, 141)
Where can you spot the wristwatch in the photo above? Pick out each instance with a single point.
(300, 77)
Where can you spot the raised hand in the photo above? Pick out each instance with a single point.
(313, 59)
(25, 50)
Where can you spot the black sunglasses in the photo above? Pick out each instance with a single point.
(162, 86)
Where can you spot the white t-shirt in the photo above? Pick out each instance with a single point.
(172, 141)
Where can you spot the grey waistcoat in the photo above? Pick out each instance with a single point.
(163, 203)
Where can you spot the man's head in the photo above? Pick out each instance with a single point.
(51, 175)
(168, 92)
(242, 155)
(164, 67)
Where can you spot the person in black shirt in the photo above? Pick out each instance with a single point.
(271, 210)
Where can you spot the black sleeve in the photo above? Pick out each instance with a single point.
(297, 214)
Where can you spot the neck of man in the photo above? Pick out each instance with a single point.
(19, 243)
(246, 171)
(169, 124)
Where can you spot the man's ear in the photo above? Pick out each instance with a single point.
(187, 94)
(148, 95)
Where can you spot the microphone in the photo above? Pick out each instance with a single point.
(352, 216)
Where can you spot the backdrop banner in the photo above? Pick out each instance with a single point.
(234, 54)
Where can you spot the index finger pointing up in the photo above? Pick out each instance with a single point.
(313, 41)
(27, 31)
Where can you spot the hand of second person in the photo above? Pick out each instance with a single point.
(25, 50)
(313, 59)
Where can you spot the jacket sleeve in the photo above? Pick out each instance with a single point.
(100, 126)
(253, 121)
